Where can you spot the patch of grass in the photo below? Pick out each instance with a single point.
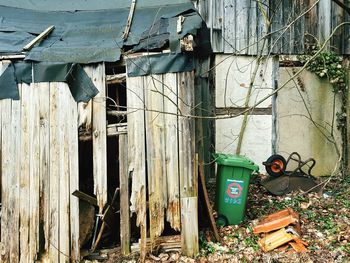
(251, 241)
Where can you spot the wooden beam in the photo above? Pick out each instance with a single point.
(239, 110)
(129, 21)
(124, 195)
(117, 113)
(116, 79)
(82, 196)
(7, 57)
(39, 38)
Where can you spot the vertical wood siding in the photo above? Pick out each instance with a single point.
(169, 143)
(39, 170)
(239, 26)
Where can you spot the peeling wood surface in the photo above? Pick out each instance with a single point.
(39, 167)
(99, 136)
(137, 148)
(155, 145)
(172, 150)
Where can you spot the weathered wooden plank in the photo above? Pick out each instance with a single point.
(137, 148)
(242, 26)
(43, 90)
(74, 180)
(216, 27)
(187, 165)
(324, 20)
(189, 223)
(337, 17)
(276, 16)
(172, 150)
(252, 19)
(124, 195)
(54, 171)
(64, 167)
(230, 27)
(99, 139)
(262, 26)
(34, 179)
(26, 113)
(1, 177)
(155, 146)
(6, 179)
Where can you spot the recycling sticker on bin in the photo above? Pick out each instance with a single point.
(233, 192)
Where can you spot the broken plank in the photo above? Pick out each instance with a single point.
(99, 138)
(187, 165)
(129, 21)
(116, 79)
(172, 150)
(39, 38)
(124, 195)
(90, 199)
(155, 145)
(137, 156)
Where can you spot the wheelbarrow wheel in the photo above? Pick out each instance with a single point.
(275, 165)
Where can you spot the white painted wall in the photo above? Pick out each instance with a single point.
(295, 131)
(233, 75)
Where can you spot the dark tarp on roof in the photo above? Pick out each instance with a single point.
(89, 36)
(93, 34)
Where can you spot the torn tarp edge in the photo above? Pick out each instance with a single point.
(80, 84)
(8, 84)
(160, 64)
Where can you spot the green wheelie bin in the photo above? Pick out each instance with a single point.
(232, 185)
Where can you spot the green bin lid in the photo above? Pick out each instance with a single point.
(235, 160)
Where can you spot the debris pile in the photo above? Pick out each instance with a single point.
(280, 230)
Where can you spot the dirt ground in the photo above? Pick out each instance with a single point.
(325, 226)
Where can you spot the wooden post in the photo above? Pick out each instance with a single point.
(188, 166)
(124, 195)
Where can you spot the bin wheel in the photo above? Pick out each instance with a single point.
(275, 165)
(221, 221)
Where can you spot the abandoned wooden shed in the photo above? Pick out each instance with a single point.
(101, 102)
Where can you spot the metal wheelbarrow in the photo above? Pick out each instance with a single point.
(282, 181)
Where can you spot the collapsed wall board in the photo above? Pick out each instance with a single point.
(161, 148)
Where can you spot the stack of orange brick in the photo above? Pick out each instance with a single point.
(280, 230)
